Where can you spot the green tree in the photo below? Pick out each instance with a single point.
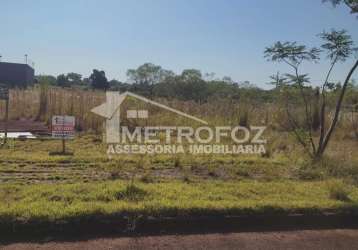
(50, 80)
(62, 81)
(99, 80)
(191, 75)
(338, 46)
(352, 4)
(191, 86)
(118, 85)
(74, 78)
(146, 76)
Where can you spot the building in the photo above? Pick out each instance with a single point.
(16, 74)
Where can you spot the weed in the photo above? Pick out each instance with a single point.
(186, 177)
(338, 190)
(115, 173)
(147, 178)
(177, 162)
(131, 193)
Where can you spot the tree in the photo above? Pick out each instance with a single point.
(118, 86)
(191, 86)
(146, 76)
(278, 81)
(228, 80)
(98, 80)
(190, 75)
(338, 46)
(74, 78)
(352, 4)
(62, 81)
(50, 80)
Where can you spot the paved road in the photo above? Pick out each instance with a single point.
(306, 239)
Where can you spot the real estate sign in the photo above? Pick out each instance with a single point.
(63, 127)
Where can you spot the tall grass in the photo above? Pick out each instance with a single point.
(42, 102)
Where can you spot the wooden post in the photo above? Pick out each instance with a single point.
(63, 137)
(63, 146)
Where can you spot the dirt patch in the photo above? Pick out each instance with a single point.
(38, 173)
(306, 239)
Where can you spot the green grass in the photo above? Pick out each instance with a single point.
(66, 202)
(37, 187)
(30, 162)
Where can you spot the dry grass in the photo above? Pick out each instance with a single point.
(42, 103)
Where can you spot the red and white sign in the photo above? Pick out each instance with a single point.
(63, 127)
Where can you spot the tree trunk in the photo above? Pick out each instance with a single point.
(326, 139)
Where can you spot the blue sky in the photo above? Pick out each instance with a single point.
(226, 37)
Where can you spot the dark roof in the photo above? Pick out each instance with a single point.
(16, 64)
(16, 74)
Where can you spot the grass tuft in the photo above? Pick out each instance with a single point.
(131, 193)
(338, 190)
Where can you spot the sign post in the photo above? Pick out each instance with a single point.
(4, 95)
(63, 127)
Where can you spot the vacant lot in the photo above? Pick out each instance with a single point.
(39, 190)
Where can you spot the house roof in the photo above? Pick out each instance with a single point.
(25, 65)
(107, 109)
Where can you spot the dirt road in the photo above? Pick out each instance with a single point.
(305, 239)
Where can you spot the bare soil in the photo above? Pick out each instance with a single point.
(304, 239)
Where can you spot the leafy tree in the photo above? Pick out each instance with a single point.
(228, 80)
(74, 78)
(99, 80)
(338, 46)
(278, 81)
(191, 86)
(190, 75)
(146, 76)
(222, 88)
(167, 88)
(50, 80)
(86, 81)
(352, 4)
(118, 86)
(62, 81)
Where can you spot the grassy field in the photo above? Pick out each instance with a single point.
(52, 202)
(36, 187)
